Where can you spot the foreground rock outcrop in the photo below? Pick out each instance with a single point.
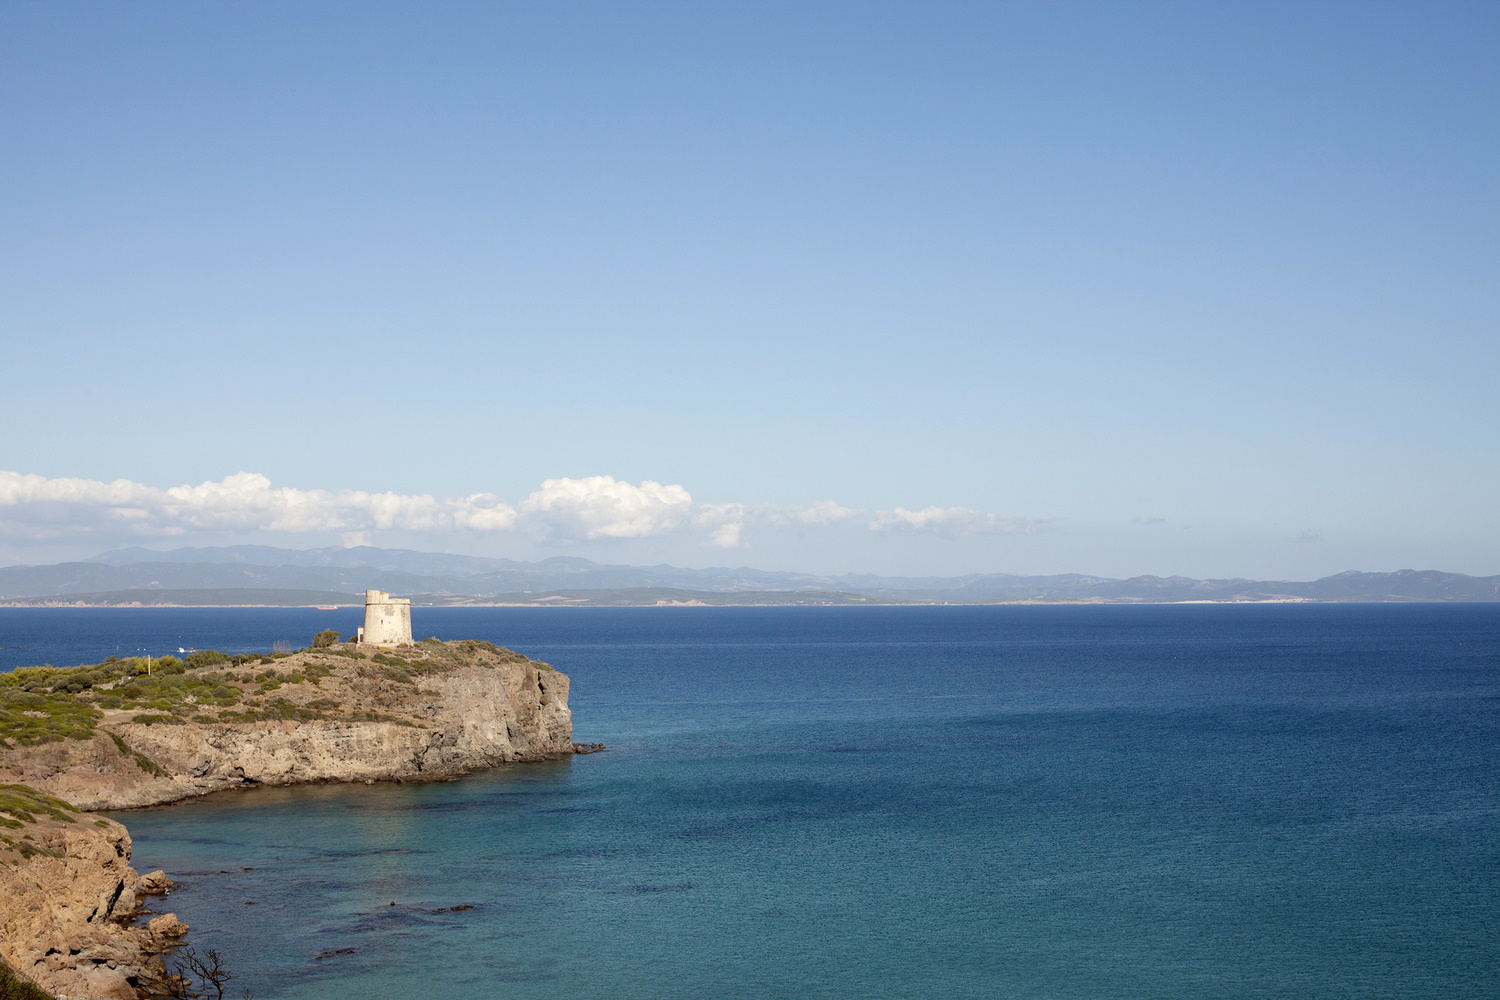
(69, 898)
(110, 737)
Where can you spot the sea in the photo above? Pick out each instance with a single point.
(1183, 801)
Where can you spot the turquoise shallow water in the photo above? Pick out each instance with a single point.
(1163, 802)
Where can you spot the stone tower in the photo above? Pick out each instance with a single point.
(387, 620)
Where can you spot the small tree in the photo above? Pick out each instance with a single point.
(325, 639)
(191, 977)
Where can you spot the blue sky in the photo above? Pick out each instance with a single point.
(1113, 288)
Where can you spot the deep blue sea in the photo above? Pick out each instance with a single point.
(1204, 801)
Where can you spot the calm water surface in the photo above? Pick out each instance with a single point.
(1030, 802)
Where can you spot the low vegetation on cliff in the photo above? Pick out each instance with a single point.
(13, 987)
(46, 704)
(131, 732)
(20, 808)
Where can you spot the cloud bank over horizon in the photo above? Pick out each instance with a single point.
(564, 510)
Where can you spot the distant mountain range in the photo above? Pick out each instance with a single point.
(338, 575)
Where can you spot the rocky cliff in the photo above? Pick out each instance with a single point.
(69, 900)
(112, 737)
(336, 714)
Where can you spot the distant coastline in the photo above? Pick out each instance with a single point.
(332, 577)
(145, 600)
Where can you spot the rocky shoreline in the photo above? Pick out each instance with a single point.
(70, 921)
(72, 741)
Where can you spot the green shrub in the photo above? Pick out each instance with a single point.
(150, 719)
(200, 658)
(327, 638)
(28, 718)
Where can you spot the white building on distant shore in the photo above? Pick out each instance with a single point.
(387, 620)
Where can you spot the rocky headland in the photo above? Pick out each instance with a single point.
(130, 733)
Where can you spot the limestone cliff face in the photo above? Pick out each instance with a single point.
(69, 895)
(467, 720)
(323, 716)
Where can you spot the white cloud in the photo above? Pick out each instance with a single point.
(35, 506)
(604, 507)
(592, 508)
(726, 536)
(949, 522)
(822, 512)
(484, 512)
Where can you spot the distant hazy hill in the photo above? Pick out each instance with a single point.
(626, 597)
(450, 578)
(227, 597)
(639, 596)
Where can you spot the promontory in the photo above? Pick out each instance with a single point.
(137, 732)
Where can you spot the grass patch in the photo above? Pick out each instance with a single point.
(20, 805)
(14, 986)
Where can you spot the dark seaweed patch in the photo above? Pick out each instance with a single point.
(569, 810)
(646, 889)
